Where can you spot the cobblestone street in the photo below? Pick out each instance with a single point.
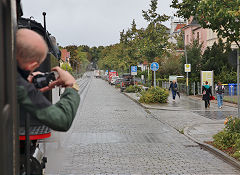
(113, 135)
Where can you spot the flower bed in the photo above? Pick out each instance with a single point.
(228, 140)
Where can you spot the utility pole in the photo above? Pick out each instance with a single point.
(238, 83)
(185, 53)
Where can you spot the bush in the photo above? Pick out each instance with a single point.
(133, 89)
(229, 137)
(154, 95)
(233, 124)
(225, 139)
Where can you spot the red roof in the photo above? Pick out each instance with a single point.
(145, 63)
(179, 26)
(64, 54)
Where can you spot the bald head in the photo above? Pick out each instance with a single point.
(30, 47)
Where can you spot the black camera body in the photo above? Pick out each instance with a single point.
(43, 80)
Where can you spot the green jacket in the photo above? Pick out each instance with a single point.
(57, 116)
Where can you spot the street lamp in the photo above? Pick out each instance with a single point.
(185, 53)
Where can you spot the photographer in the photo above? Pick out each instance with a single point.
(31, 51)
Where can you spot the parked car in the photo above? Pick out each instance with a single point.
(110, 75)
(113, 80)
(118, 81)
(127, 81)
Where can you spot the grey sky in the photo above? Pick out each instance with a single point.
(90, 22)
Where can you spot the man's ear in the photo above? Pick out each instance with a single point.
(32, 66)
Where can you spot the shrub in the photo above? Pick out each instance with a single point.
(237, 155)
(233, 124)
(229, 137)
(117, 86)
(133, 89)
(225, 139)
(154, 95)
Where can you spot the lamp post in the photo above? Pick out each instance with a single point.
(185, 53)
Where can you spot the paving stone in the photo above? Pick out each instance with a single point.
(114, 135)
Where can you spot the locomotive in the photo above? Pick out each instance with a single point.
(20, 133)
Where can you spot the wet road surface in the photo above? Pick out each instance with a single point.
(111, 134)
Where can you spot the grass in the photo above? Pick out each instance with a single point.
(231, 99)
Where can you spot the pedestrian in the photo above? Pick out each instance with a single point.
(219, 91)
(174, 89)
(207, 93)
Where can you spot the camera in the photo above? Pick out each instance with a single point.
(43, 80)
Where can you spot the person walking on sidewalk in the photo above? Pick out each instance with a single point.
(207, 92)
(219, 91)
(174, 88)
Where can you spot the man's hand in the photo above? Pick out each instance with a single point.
(65, 79)
(30, 77)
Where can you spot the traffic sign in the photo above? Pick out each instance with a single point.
(187, 67)
(154, 66)
(133, 70)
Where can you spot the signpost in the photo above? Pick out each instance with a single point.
(154, 67)
(134, 72)
(187, 67)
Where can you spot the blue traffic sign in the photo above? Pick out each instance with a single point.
(154, 66)
(133, 70)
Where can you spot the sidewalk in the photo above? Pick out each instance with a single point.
(189, 116)
(190, 113)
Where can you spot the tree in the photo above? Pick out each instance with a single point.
(73, 49)
(222, 16)
(216, 57)
(154, 39)
(194, 58)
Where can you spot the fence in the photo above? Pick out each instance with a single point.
(193, 88)
(230, 92)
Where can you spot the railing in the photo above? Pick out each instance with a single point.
(230, 92)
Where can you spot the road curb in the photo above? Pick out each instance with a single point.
(214, 150)
(145, 107)
(136, 101)
(205, 146)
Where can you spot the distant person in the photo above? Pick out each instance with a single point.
(31, 51)
(219, 91)
(174, 88)
(207, 93)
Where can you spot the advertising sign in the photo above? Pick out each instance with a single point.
(207, 76)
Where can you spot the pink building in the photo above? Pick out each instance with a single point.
(65, 55)
(193, 31)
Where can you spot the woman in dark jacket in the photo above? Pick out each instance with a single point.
(207, 92)
(173, 87)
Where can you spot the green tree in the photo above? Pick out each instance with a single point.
(216, 57)
(154, 40)
(194, 54)
(222, 16)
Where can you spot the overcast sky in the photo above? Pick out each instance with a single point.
(90, 22)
